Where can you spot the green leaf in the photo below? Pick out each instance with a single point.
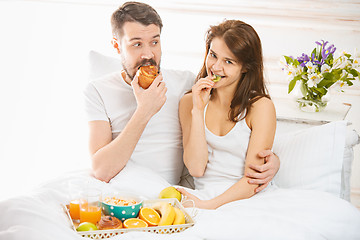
(325, 83)
(334, 75)
(354, 72)
(329, 60)
(289, 60)
(299, 76)
(350, 83)
(327, 76)
(292, 85)
(303, 88)
(320, 90)
(345, 76)
(313, 52)
(296, 62)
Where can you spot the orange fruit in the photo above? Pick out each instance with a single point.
(134, 223)
(150, 216)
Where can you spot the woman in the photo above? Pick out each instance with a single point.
(227, 122)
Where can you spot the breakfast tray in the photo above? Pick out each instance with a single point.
(102, 234)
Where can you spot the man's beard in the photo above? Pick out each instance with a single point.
(137, 66)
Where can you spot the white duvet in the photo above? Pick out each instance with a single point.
(281, 214)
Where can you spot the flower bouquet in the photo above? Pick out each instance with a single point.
(316, 73)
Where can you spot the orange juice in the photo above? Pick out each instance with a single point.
(74, 209)
(90, 214)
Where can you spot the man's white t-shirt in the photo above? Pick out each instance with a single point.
(159, 148)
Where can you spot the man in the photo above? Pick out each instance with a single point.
(128, 123)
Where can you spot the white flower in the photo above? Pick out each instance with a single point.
(356, 53)
(342, 84)
(325, 68)
(348, 63)
(288, 73)
(311, 67)
(337, 86)
(314, 79)
(356, 61)
(343, 52)
(291, 71)
(344, 73)
(283, 61)
(340, 62)
(299, 69)
(356, 64)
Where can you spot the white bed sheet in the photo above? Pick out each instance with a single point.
(276, 214)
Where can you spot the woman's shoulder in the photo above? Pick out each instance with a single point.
(186, 100)
(263, 102)
(262, 116)
(264, 106)
(185, 106)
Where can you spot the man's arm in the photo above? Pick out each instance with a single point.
(109, 156)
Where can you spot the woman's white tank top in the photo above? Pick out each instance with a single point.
(226, 158)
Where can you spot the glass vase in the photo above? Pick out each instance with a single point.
(311, 105)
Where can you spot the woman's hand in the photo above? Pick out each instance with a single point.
(198, 202)
(201, 92)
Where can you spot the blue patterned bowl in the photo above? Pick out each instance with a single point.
(122, 212)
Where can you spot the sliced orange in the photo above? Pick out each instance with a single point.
(134, 223)
(149, 215)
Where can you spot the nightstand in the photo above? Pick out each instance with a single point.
(288, 111)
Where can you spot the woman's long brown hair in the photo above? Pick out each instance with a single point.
(245, 44)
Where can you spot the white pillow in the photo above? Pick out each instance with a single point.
(100, 65)
(312, 158)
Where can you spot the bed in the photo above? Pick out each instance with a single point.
(314, 159)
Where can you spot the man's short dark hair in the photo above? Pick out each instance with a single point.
(134, 12)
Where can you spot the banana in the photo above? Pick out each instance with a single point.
(179, 218)
(167, 213)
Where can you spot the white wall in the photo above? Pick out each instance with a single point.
(43, 50)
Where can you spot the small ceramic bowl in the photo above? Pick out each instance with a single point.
(122, 212)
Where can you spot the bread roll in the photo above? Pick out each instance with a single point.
(147, 74)
(109, 222)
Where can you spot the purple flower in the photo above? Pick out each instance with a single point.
(314, 59)
(326, 52)
(303, 59)
(323, 44)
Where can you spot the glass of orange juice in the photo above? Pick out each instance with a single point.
(75, 187)
(90, 206)
(74, 209)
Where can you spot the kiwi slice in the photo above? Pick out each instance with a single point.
(216, 78)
